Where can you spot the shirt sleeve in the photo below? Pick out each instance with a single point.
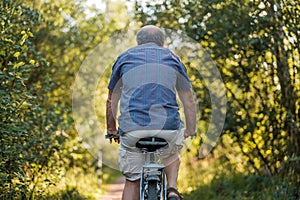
(182, 82)
(115, 82)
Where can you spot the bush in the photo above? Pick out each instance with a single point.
(31, 128)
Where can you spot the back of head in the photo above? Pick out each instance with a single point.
(150, 33)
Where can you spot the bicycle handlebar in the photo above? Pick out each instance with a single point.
(111, 136)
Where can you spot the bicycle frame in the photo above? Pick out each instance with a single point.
(152, 178)
(153, 184)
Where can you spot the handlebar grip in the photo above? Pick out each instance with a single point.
(110, 136)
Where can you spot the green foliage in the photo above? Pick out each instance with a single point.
(32, 135)
(79, 184)
(42, 46)
(216, 178)
(239, 186)
(255, 46)
(73, 185)
(68, 194)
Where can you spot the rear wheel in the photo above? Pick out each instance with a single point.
(152, 190)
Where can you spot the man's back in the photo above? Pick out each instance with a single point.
(148, 76)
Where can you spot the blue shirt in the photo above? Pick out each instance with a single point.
(148, 76)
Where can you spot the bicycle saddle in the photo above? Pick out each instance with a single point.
(151, 144)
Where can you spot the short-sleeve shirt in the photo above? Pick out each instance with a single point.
(148, 76)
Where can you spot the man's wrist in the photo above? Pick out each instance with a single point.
(111, 130)
(190, 132)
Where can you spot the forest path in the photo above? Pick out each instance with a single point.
(114, 190)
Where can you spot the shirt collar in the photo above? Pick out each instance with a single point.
(149, 44)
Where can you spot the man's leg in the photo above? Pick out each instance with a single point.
(172, 173)
(172, 169)
(131, 190)
(171, 158)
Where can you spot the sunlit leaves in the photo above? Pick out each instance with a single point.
(27, 123)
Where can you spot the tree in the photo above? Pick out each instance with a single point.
(256, 47)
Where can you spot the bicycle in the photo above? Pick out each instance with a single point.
(153, 185)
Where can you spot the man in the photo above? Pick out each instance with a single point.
(145, 79)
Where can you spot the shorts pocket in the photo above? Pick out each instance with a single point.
(179, 139)
(123, 162)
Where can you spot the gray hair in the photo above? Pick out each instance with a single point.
(150, 33)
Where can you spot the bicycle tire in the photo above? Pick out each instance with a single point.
(152, 190)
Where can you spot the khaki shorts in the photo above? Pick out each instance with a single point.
(131, 159)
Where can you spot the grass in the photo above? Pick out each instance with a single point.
(80, 185)
(240, 186)
(198, 180)
(215, 179)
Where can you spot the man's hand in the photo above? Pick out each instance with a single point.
(114, 136)
(188, 133)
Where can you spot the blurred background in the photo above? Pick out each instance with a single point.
(254, 45)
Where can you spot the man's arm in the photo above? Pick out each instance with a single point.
(189, 105)
(111, 111)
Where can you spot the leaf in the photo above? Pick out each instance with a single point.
(32, 62)
(19, 64)
(17, 54)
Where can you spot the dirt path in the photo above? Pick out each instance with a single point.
(115, 190)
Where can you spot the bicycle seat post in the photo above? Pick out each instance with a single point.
(151, 146)
(153, 179)
(145, 152)
(152, 157)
